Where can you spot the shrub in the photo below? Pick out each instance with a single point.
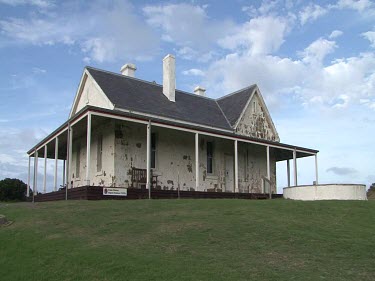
(12, 190)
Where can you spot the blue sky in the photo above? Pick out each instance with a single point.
(314, 62)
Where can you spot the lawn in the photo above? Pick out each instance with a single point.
(188, 240)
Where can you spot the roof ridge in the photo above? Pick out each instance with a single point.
(148, 82)
(236, 92)
(223, 113)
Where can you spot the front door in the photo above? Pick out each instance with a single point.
(229, 173)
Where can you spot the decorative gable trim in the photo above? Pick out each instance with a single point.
(256, 92)
(85, 76)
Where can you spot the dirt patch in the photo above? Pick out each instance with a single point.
(4, 221)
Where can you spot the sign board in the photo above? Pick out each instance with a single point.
(115, 191)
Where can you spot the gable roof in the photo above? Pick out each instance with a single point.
(234, 104)
(140, 96)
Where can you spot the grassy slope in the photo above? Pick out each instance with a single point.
(188, 240)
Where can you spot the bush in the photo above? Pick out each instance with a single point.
(12, 190)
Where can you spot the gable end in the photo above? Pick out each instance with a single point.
(255, 120)
(89, 93)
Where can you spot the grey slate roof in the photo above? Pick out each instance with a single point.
(141, 96)
(233, 104)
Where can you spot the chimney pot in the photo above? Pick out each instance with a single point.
(128, 70)
(200, 91)
(169, 77)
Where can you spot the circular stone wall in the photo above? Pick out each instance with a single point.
(326, 192)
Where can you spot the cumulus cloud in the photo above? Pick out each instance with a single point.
(311, 13)
(335, 85)
(187, 26)
(370, 35)
(266, 7)
(359, 5)
(38, 3)
(342, 171)
(335, 34)
(318, 50)
(37, 31)
(261, 35)
(193, 72)
(111, 31)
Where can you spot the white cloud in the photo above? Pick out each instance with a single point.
(370, 103)
(38, 31)
(266, 7)
(334, 85)
(38, 3)
(110, 31)
(37, 70)
(261, 35)
(187, 26)
(193, 72)
(318, 50)
(359, 5)
(336, 33)
(370, 35)
(311, 13)
(342, 101)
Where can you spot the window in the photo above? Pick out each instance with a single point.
(254, 107)
(78, 159)
(153, 150)
(209, 157)
(99, 155)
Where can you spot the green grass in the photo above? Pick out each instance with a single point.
(188, 240)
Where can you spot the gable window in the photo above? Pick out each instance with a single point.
(153, 150)
(78, 159)
(254, 107)
(209, 157)
(99, 154)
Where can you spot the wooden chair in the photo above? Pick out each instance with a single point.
(139, 177)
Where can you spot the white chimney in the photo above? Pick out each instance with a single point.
(128, 70)
(200, 91)
(169, 77)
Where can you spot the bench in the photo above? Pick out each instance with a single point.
(139, 178)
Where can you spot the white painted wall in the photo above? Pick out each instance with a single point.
(90, 94)
(326, 192)
(105, 177)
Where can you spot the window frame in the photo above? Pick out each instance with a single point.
(78, 160)
(153, 150)
(210, 157)
(99, 153)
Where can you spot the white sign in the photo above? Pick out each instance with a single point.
(115, 191)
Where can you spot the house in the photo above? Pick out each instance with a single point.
(126, 132)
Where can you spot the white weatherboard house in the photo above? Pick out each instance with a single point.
(126, 132)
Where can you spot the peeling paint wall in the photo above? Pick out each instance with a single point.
(91, 95)
(124, 148)
(175, 159)
(254, 122)
(130, 144)
(104, 177)
(252, 164)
